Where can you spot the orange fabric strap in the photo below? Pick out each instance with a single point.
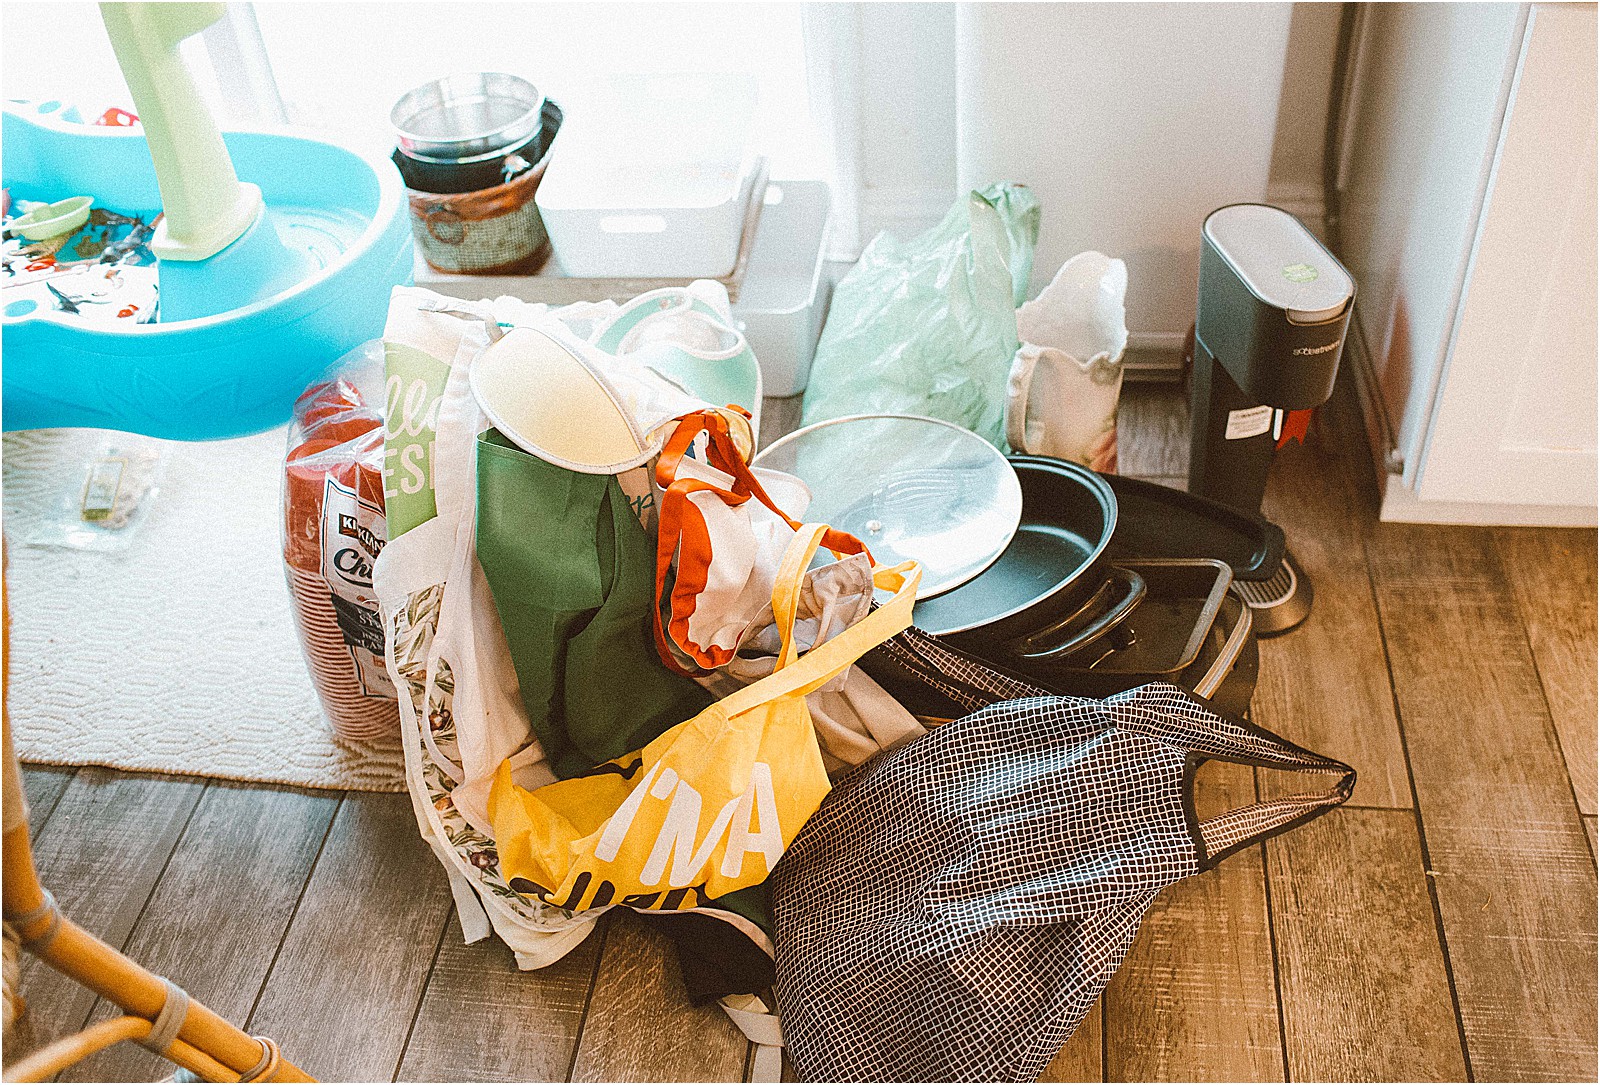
(682, 532)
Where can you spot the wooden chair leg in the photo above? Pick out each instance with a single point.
(219, 1050)
(70, 1050)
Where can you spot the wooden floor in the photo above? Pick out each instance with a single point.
(1440, 926)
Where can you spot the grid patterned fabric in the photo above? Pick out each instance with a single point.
(914, 664)
(955, 907)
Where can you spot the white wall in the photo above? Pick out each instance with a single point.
(1132, 122)
(1295, 179)
(905, 149)
(907, 157)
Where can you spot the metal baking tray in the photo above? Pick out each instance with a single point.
(1222, 667)
(1164, 634)
(1223, 653)
(1155, 521)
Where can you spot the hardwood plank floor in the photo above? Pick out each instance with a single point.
(1453, 667)
(1196, 999)
(1326, 685)
(1502, 837)
(219, 912)
(482, 1019)
(1359, 953)
(1081, 1058)
(640, 1025)
(44, 786)
(101, 853)
(347, 982)
(1552, 572)
(1152, 430)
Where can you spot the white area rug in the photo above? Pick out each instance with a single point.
(179, 653)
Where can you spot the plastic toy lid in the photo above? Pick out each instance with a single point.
(546, 401)
(908, 487)
(52, 219)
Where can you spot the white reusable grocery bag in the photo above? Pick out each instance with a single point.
(855, 719)
(741, 545)
(1066, 377)
(460, 713)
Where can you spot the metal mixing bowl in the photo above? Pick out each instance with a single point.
(466, 118)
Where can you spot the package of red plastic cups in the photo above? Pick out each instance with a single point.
(333, 531)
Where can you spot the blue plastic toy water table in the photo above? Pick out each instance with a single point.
(224, 375)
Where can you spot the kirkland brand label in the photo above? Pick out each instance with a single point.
(1250, 422)
(352, 538)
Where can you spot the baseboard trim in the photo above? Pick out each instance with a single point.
(1402, 505)
(1154, 356)
(1387, 461)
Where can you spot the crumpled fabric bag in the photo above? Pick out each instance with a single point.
(709, 806)
(855, 719)
(929, 326)
(746, 541)
(461, 709)
(720, 540)
(461, 715)
(569, 564)
(1066, 377)
(956, 907)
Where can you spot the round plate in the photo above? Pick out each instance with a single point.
(908, 487)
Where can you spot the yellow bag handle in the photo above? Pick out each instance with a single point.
(790, 581)
(800, 675)
(788, 584)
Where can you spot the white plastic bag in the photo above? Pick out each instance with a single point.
(101, 506)
(855, 719)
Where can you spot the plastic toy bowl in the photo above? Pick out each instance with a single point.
(52, 219)
(228, 375)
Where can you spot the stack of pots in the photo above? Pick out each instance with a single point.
(472, 149)
(1079, 606)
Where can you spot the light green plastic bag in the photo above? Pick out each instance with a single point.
(929, 326)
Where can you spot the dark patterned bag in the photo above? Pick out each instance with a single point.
(956, 906)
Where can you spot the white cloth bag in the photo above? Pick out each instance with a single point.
(1066, 377)
(855, 719)
(460, 710)
(748, 541)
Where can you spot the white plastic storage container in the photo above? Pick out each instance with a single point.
(650, 177)
(785, 294)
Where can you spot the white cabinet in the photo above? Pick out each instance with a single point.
(1470, 227)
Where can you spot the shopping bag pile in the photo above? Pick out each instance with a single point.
(630, 674)
(562, 759)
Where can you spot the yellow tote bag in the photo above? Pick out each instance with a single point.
(709, 806)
